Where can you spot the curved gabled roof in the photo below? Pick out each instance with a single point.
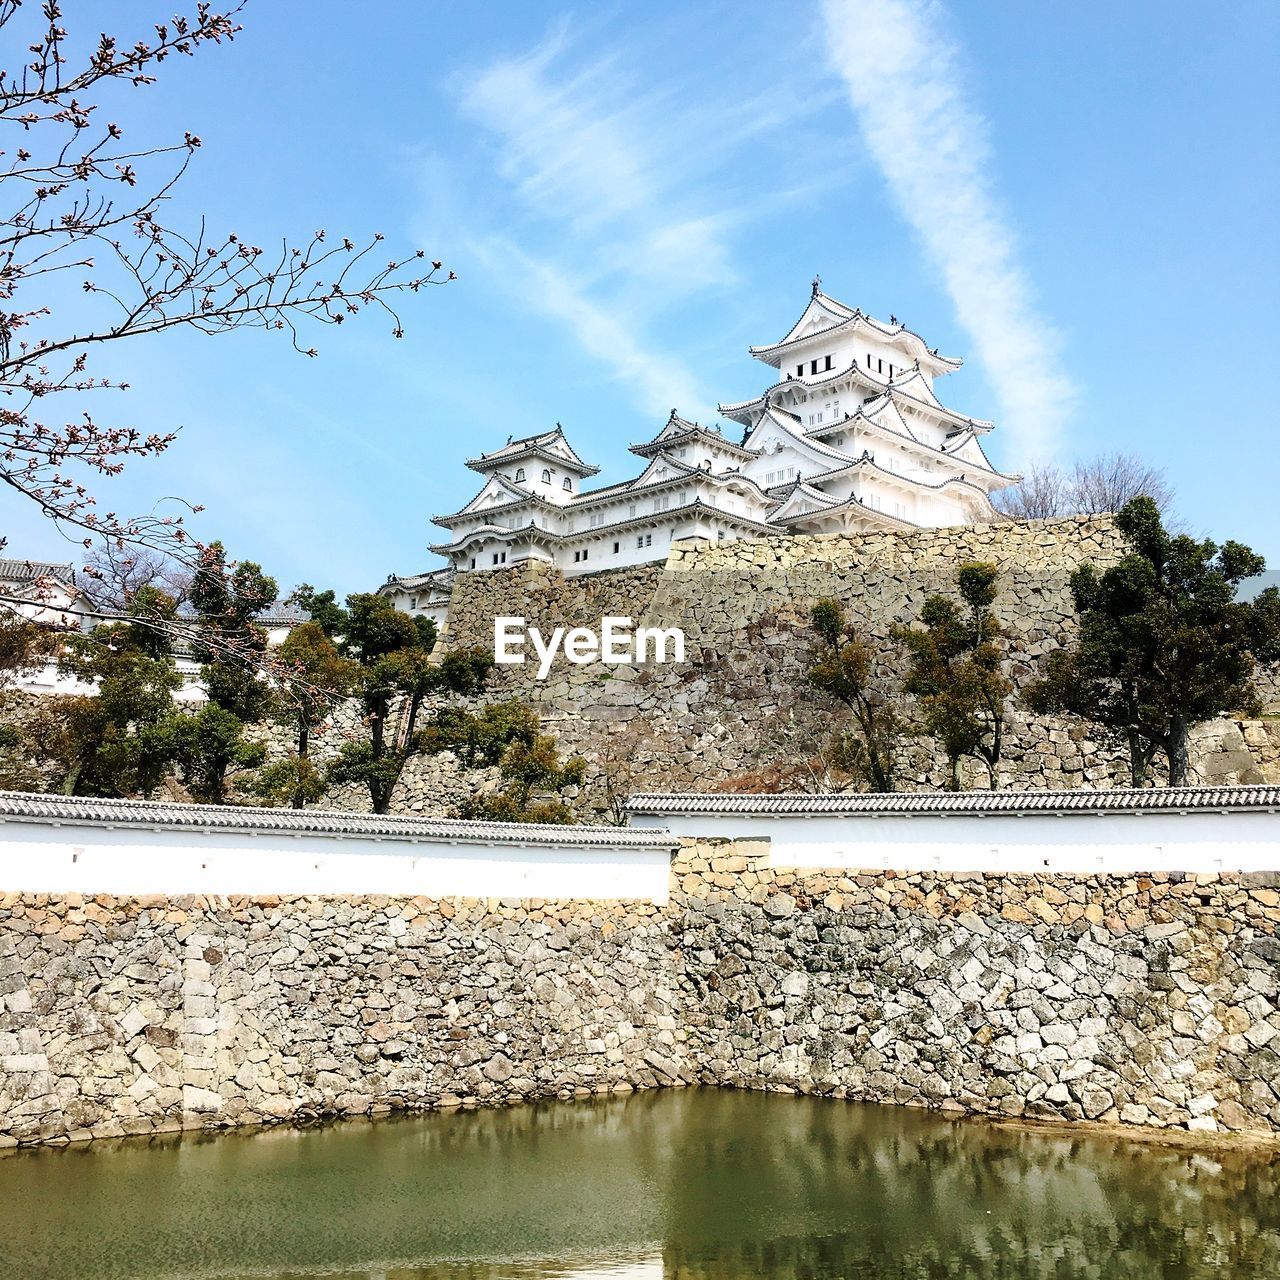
(678, 430)
(932, 405)
(798, 438)
(908, 436)
(762, 401)
(858, 507)
(520, 497)
(743, 410)
(798, 491)
(539, 445)
(840, 317)
(437, 579)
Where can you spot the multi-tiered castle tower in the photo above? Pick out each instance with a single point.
(851, 437)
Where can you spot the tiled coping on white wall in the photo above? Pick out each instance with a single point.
(1192, 829)
(57, 844)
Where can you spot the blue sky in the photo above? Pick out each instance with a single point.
(1079, 199)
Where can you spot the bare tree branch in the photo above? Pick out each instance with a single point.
(82, 203)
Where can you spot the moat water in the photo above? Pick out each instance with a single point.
(690, 1185)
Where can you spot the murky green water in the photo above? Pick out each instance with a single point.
(691, 1184)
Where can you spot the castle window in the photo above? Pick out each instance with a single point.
(519, 474)
(616, 548)
(568, 485)
(473, 562)
(813, 366)
(585, 550)
(546, 475)
(800, 370)
(828, 364)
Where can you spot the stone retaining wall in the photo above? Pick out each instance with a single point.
(140, 1015)
(739, 704)
(1149, 1000)
(1140, 1000)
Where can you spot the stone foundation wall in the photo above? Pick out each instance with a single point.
(137, 1016)
(1149, 1000)
(739, 705)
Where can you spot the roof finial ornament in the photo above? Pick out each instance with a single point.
(892, 318)
(673, 416)
(817, 285)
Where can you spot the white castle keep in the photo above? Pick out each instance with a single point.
(852, 437)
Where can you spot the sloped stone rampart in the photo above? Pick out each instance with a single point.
(738, 703)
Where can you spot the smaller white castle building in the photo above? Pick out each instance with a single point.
(851, 437)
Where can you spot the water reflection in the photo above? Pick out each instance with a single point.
(686, 1186)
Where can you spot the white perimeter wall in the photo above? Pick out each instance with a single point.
(1113, 843)
(44, 858)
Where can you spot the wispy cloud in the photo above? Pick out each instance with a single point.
(568, 142)
(906, 88)
(623, 211)
(657, 381)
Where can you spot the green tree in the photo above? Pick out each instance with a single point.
(227, 599)
(1163, 642)
(530, 769)
(955, 674)
(122, 740)
(396, 669)
(506, 734)
(844, 668)
(294, 782)
(481, 738)
(322, 607)
(209, 744)
(313, 677)
(25, 646)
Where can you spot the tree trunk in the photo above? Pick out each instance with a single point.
(881, 770)
(993, 781)
(304, 743)
(1137, 762)
(954, 782)
(1178, 752)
